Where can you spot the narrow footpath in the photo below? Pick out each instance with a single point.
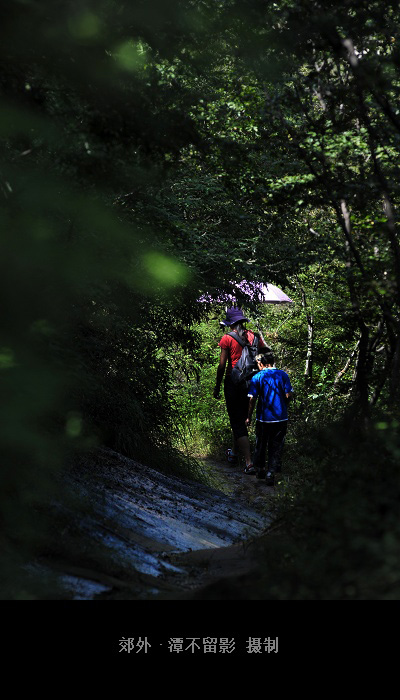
(209, 569)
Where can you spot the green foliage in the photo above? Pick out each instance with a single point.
(344, 535)
(153, 151)
(335, 534)
(203, 420)
(86, 291)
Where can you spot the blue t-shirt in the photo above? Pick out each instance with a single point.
(270, 385)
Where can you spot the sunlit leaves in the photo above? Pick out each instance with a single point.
(73, 426)
(131, 56)
(164, 270)
(7, 359)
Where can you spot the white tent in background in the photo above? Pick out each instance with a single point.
(265, 293)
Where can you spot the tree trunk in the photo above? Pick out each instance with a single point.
(361, 374)
(395, 374)
(308, 370)
(347, 365)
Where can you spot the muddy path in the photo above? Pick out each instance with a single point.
(141, 534)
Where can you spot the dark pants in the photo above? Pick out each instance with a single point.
(271, 436)
(237, 405)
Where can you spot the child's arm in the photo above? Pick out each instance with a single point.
(252, 403)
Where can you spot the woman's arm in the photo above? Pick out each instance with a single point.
(220, 371)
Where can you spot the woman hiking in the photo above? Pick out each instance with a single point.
(236, 398)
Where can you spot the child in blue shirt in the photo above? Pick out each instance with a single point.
(272, 388)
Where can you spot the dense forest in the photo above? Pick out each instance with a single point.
(155, 152)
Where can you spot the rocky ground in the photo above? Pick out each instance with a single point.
(146, 535)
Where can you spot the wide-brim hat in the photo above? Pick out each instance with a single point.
(233, 315)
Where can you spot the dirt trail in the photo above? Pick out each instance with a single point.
(143, 534)
(202, 568)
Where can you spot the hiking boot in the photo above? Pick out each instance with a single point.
(261, 474)
(232, 459)
(249, 469)
(270, 478)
